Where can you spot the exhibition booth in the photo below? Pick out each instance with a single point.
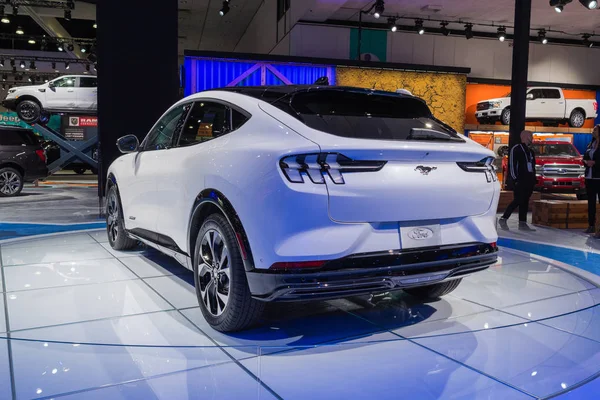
(267, 222)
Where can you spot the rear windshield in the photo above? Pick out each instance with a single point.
(14, 137)
(367, 115)
(554, 150)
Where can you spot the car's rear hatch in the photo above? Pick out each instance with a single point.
(385, 158)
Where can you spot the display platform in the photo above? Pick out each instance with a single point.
(87, 322)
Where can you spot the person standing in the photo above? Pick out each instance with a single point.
(591, 159)
(522, 171)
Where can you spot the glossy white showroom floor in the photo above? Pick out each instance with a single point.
(86, 322)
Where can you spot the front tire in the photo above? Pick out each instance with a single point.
(505, 118)
(29, 111)
(11, 182)
(577, 119)
(115, 225)
(220, 279)
(432, 292)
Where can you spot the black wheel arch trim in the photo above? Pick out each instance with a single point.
(215, 198)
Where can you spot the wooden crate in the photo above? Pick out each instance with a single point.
(560, 214)
(506, 196)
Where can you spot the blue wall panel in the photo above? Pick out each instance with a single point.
(204, 74)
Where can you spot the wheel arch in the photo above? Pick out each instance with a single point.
(15, 166)
(211, 201)
(578, 109)
(29, 97)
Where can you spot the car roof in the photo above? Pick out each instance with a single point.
(273, 93)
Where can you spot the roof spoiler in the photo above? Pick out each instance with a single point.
(323, 81)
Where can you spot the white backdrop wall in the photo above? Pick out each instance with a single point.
(487, 58)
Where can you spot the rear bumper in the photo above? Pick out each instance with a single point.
(34, 174)
(370, 273)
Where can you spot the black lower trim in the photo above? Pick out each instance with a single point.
(10, 104)
(372, 273)
(157, 238)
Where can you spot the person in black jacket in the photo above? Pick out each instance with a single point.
(591, 159)
(522, 170)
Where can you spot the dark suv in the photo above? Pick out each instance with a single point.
(22, 159)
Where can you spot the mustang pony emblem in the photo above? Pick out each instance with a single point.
(425, 170)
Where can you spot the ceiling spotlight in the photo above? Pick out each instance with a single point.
(392, 24)
(61, 47)
(501, 34)
(70, 47)
(32, 65)
(68, 15)
(469, 31)
(589, 4)
(1, 62)
(586, 40)
(5, 20)
(95, 67)
(379, 8)
(4, 77)
(31, 41)
(67, 65)
(95, 25)
(445, 31)
(83, 48)
(419, 26)
(542, 36)
(3, 87)
(31, 79)
(12, 63)
(71, 4)
(225, 9)
(22, 64)
(20, 31)
(15, 10)
(45, 79)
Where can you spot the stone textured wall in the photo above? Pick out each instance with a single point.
(444, 93)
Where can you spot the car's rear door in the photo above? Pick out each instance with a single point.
(87, 93)
(553, 104)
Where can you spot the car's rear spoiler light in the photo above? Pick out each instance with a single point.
(316, 166)
(485, 166)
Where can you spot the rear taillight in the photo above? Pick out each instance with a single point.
(319, 165)
(485, 166)
(297, 265)
(41, 154)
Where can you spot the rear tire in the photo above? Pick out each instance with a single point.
(505, 118)
(79, 170)
(577, 119)
(115, 225)
(220, 279)
(11, 182)
(432, 292)
(29, 111)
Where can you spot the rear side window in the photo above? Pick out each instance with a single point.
(551, 94)
(367, 115)
(208, 120)
(88, 82)
(10, 137)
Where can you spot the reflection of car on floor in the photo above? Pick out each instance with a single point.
(546, 104)
(299, 193)
(73, 93)
(559, 167)
(21, 159)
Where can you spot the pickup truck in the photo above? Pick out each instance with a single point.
(558, 167)
(545, 104)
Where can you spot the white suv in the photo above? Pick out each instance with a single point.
(297, 193)
(70, 93)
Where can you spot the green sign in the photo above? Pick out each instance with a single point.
(373, 46)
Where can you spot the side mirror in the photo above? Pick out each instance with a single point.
(128, 144)
(50, 84)
(530, 96)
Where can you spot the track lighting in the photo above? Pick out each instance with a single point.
(469, 31)
(67, 65)
(445, 31)
(586, 40)
(2, 62)
(225, 9)
(30, 79)
(95, 25)
(559, 5)
(392, 24)
(542, 36)
(22, 64)
(70, 47)
(4, 77)
(31, 41)
(379, 8)
(501, 34)
(68, 15)
(589, 4)
(15, 10)
(5, 20)
(419, 26)
(61, 47)
(83, 48)
(19, 31)
(95, 67)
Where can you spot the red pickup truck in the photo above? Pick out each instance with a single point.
(559, 167)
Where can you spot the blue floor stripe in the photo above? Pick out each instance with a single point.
(10, 230)
(578, 258)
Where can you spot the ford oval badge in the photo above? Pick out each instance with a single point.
(420, 234)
